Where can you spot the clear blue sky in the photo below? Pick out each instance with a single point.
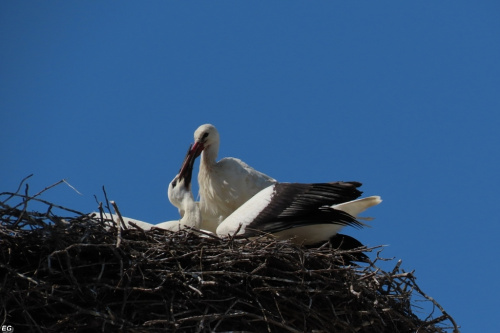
(401, 96)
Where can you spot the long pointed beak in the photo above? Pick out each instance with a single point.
(186, 170)
(197, 148)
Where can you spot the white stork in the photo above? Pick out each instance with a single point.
(181, 196)
(225, 185)
(307, 213)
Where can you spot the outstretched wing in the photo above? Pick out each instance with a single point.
(284, 206)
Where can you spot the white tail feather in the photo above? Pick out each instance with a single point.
(358, 206)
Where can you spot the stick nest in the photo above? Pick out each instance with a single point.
(82, 273)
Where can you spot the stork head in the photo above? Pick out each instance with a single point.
(205, 136)
(180, 186)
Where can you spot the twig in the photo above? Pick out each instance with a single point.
(71, 187)
(417, 288)
(18, 189)
(119, 229)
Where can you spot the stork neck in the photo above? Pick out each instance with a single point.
(209, 155)
(192, 213)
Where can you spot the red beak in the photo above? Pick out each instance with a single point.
(193, 152)
(197, 149)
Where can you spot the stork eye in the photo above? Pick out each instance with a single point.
(205, 135)
(174, 182)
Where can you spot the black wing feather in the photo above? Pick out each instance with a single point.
(295, 205)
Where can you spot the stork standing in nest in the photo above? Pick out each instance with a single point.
(240, 200)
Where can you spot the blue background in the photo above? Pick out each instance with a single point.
(401, 96)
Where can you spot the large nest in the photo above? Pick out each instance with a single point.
(83, 273)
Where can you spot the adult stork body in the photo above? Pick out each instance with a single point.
(226, 184)
(245, 202)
